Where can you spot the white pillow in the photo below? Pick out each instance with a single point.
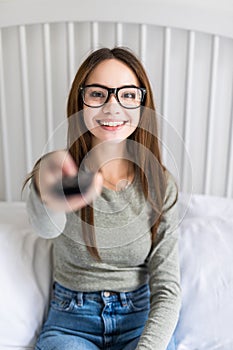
(25, 275)
(206, 255)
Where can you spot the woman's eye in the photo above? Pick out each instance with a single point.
(129, 95)
(97, 94)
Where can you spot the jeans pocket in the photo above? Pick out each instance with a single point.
(63, 303)
(140, 302)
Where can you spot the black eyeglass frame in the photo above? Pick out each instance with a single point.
(115, 92)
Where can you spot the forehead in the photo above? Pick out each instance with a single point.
(112, 73)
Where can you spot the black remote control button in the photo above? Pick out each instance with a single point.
(78, 184)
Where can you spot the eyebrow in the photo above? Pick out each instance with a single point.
(106, 87)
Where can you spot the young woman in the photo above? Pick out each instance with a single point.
(116, 267)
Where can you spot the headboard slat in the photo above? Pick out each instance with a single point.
(48, 82)
(4, 134)
(25, 96)
(187, 107)
(94, 35)
(143, 42)
(119, 34)
(165, 89)
(209, 158)
(71, 51)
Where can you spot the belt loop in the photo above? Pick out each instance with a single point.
(123, 299)
(80, 298)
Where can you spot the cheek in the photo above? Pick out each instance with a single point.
(134, 117)
(88, 116)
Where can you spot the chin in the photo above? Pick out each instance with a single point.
(111, 140)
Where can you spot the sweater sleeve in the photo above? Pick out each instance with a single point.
(164, 275)
(45, 222)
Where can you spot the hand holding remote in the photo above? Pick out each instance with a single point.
(61, 186)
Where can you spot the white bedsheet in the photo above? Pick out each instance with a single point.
(206, 256)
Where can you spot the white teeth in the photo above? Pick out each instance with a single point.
(104, 123)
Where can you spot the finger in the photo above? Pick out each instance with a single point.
(69, 167)
(60, 162)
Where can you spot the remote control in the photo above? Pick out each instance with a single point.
(78, 184)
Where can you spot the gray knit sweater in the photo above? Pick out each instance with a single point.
(124, 242)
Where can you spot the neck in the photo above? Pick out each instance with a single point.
(105, 153)
(117, 174)
(112, 160)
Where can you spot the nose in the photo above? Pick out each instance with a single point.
(112, 106)
(112, 97)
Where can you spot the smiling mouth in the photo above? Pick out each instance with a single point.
(111, 123)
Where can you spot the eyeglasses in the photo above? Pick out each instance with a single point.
(128, 96)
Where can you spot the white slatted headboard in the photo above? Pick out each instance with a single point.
(186, 47)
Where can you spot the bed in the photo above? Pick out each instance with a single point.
(187, 50)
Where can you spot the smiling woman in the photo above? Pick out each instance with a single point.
(116, 247)
(102, 259)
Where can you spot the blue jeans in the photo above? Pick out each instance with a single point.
(94, 321)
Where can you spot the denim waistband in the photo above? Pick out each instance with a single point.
(100, 295)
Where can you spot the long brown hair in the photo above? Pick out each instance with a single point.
(146, 134)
